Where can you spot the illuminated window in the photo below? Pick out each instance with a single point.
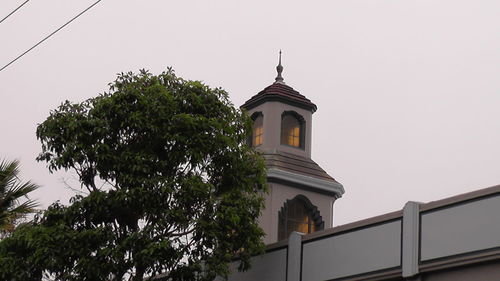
(292, 129)
(258, 131)
(299, 215)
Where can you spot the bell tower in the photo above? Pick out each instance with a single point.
(301, 193)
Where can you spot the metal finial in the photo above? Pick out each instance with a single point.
(279, 68)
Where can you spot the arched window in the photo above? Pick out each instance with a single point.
(257, 129)
(298, 214)
(292, 129)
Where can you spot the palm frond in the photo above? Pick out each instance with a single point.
(12, 192)
(8, 174)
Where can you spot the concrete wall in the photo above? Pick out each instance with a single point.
(480, 272)
(457, 238)
(462, 228)
(269, 267)
(358, 251)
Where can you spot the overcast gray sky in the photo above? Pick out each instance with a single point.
(408, 92)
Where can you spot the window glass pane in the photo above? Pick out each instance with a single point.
(297, 226)
(290, 131)
(295, 218)
(313, 227)
(258, 131)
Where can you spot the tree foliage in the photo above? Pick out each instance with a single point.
(174, 192)
(12, 193)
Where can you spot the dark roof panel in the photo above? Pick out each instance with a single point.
(296, 164)
(280, 92)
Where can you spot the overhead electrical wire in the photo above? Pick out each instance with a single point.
(14, 11)
(48, 36)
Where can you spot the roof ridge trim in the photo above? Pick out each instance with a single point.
(315, 183)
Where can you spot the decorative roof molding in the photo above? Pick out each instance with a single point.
(329, 187)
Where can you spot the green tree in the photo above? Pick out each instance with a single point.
(12, 194)
(174, 191)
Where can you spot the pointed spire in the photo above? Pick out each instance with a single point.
(279, 68)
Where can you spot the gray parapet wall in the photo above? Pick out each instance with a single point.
(432, 241)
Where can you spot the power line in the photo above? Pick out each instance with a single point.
(54, 32)
(14, 11)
